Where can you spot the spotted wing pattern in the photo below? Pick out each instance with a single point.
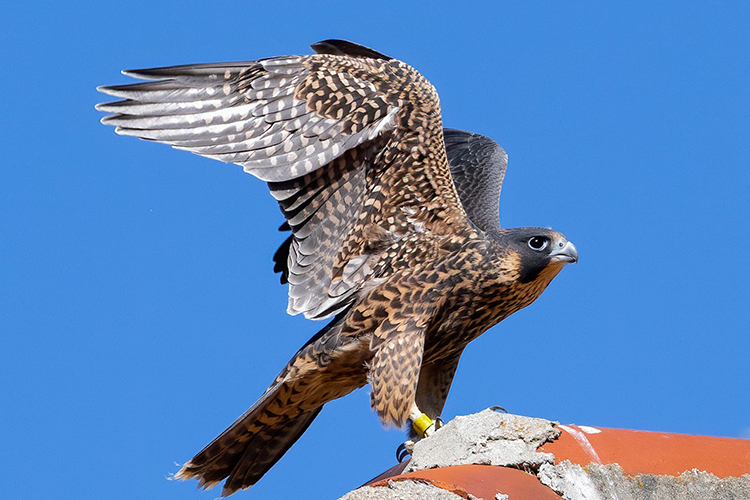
(279, 118)
(352, 148)
(322, 208)
(351, 145)
(477, 165)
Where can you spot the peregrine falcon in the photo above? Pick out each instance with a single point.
(394, 224)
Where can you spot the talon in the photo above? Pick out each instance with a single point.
(498, 408)
(404, 450)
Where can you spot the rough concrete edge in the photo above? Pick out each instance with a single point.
(486, 438)
(491, 438)
(407, 489)
(603, 482)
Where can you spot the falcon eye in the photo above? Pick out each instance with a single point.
(538, 243)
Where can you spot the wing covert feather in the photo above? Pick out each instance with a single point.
(351, 146)
(477, 164)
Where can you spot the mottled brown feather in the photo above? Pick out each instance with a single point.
(352, 146)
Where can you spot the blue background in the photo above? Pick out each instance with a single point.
(138, 309)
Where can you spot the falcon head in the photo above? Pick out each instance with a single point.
(541, 252)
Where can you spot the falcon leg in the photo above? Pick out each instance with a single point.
(423, 425)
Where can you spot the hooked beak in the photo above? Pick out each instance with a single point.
(564, 251)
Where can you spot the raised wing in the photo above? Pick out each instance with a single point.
(477, 164)
(352, 148)
(278, 118)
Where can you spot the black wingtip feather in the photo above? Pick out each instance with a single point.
(280, 260)
(347, 48)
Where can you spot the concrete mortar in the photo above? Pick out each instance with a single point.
(604, 482)
(486, 438)
(401, 490)
(491, 438)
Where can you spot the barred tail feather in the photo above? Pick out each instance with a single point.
(245, 451)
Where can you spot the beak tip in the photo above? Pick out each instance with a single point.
(567, 253)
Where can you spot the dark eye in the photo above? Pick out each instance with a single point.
(538, 243)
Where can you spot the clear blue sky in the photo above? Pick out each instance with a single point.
(138, 309)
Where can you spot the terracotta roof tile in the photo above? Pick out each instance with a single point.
(642, 452)
(481, 481)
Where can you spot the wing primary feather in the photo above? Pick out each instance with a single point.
(334, 117)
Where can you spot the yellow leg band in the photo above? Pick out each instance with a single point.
(422, 423)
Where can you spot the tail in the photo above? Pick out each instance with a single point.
(250, 446)
(258, 439)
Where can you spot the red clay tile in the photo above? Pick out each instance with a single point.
(641, 452)
(393, 471)
(637, 452)
(482, 481)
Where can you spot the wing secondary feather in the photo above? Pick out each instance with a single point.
(351, 146)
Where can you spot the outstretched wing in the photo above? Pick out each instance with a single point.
(477, 164)
(351, 146)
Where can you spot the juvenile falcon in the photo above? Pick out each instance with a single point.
(394, 230)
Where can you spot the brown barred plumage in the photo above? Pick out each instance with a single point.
(390, 233)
